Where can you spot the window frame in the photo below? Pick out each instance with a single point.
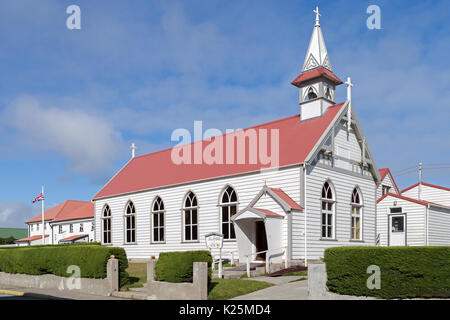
(228, 205)
(183, 218)
(327, 212)
(102, 227)
(153, 212)
(360, 215)
(132, 215)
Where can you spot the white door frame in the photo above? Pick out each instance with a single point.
(390, 216)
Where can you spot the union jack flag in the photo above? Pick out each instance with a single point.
(40, 197)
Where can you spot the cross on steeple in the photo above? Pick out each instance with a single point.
(317, 16)
(133, 150)
(349, 89)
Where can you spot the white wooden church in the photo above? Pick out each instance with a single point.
(323, 193)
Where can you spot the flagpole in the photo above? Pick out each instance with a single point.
(43, 220)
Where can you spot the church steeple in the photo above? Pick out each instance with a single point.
(317, 55)
(317, 82)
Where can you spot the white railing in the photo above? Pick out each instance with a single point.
(219, 261)
(268, 257)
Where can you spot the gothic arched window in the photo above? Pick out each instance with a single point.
(158, 222)
(130, 223)
(106, 225)
(311, 94)
(356, 204)
(190, 219)
(328, 208)
(228, 204)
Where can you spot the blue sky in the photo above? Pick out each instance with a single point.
(72, 101)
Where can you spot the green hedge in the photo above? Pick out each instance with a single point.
(405, 272)
(178, 266)
(38, 260)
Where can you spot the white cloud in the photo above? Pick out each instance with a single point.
(88, 142)
(14, 214)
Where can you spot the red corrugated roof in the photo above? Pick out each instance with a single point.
(286, 198)
(421, 202)
(74, 237)
(428, 185)
(315, 73)
(268, 212)
(84, 211)
(296, 140)
(69, 208)
(31, 239)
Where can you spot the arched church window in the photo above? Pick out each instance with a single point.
(311, 94)
(130, 223)
(190, 219)
(356, 205)
(228, 204)
(158, 222)
(328, 94)
(106, 225)
(328, 209)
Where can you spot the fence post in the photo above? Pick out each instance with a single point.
(200, 280)
(267, 262)
(248, 266)
(317, 279)
(151, 270)
(112, 274)
(232, 258)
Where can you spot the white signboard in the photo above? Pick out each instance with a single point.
(214, 240)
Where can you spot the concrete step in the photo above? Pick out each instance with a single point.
(131, 295)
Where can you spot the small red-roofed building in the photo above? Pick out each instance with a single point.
(387, 184)
(408, 221)
(68, 219)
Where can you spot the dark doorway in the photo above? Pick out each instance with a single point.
(261, 240)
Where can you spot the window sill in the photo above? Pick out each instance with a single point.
(328, 239)
(354, 240)
(158, 242)
(187, 242)
(130, 244)
(229, 240)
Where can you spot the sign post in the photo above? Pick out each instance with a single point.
(215, 241)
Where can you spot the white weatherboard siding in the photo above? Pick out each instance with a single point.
(438, 227)
(415, 220)
(87, 229)
(387, 181)
(430, 194)
(343, 187)
(208, 192)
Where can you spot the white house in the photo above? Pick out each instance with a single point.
(69, 222)
(428, 192)
(416, 216)
(321, 193)
(407, 221)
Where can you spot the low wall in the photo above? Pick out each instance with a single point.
(104, 287)
(197, 290)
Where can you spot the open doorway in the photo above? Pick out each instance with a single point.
(261, 240)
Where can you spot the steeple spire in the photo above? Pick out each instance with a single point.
(317, 55)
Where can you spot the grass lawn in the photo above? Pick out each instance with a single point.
(138, 275)
(223, 289)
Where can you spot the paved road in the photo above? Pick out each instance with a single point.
(48, 294)
(289, 289)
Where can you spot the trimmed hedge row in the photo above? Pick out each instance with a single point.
(47, 259)
(178, 266)
(405, 272)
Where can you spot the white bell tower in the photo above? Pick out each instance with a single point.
(317, 82)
